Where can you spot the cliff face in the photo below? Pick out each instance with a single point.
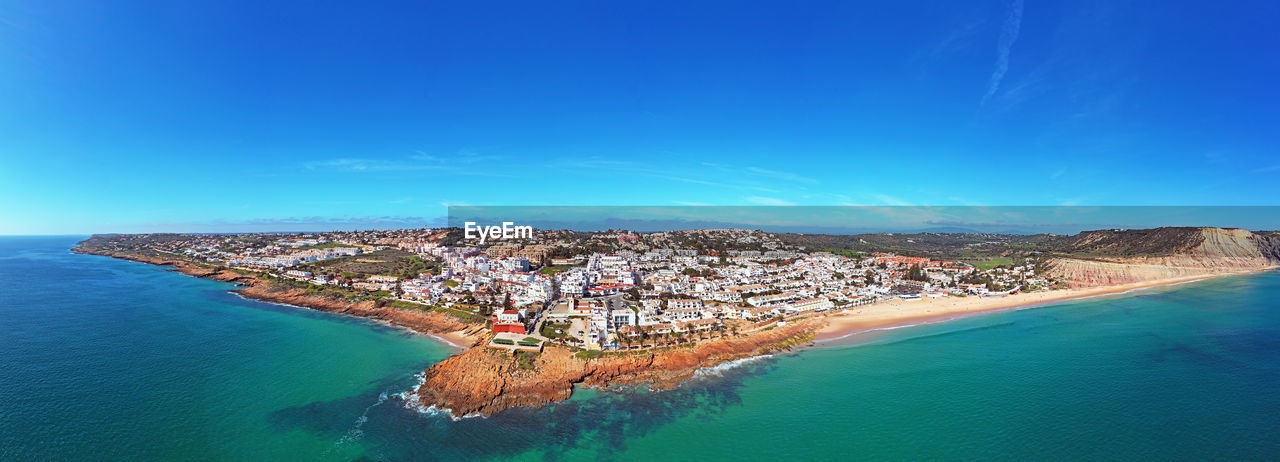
(1147, 255)
(485, 380)
(427, 322)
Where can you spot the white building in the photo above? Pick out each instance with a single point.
(684, 304)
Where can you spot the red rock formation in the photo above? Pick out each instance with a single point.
(486, 380)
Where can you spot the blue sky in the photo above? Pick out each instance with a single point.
(219, 116)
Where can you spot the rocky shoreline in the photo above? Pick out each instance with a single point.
(255, 288)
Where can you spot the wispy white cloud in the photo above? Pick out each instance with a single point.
(786, 176)
(890, 200)
(462, 157)
(1008, 35)
(701, 173)
(295, 224)
(963, 201)
(957, 37)
(767, 201)
(753, 172)
(351, 164)
(464, 163)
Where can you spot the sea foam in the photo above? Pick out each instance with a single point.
(719, 369)
(414, 402)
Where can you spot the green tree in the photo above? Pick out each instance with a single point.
(916, 273)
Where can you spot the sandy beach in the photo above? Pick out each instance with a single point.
(458, 339)
(898, 312)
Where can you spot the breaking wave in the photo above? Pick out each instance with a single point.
(414, 402)
(719, 369)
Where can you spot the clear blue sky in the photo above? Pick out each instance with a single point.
(214, 116)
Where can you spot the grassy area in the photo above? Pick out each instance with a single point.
(589, 354)
(553, 269)
(993, 262)
(525, 359)
(789, 343)
(549, 330)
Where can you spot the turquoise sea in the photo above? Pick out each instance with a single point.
(108, 359)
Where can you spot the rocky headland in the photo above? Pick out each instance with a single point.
(486, 380)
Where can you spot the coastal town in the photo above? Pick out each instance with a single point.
(615, 290)
(535, 317)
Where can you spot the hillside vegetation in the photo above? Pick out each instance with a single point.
(972, 247)
(389, 262)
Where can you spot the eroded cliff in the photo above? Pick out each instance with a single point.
(1123, 257)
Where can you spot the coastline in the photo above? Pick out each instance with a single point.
(438, 327)
(893, 314)
(483, 381)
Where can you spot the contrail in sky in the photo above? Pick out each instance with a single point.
(1008, 35)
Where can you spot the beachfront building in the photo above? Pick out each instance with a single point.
(569, 308)
(813, 304)
(686, 314)
(760, 313)
(767, 300)
(508, 321)
(684, 304)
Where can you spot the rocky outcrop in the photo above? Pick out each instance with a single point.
(1179, 252)
(486, 380)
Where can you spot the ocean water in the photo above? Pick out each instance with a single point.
(107, 359)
